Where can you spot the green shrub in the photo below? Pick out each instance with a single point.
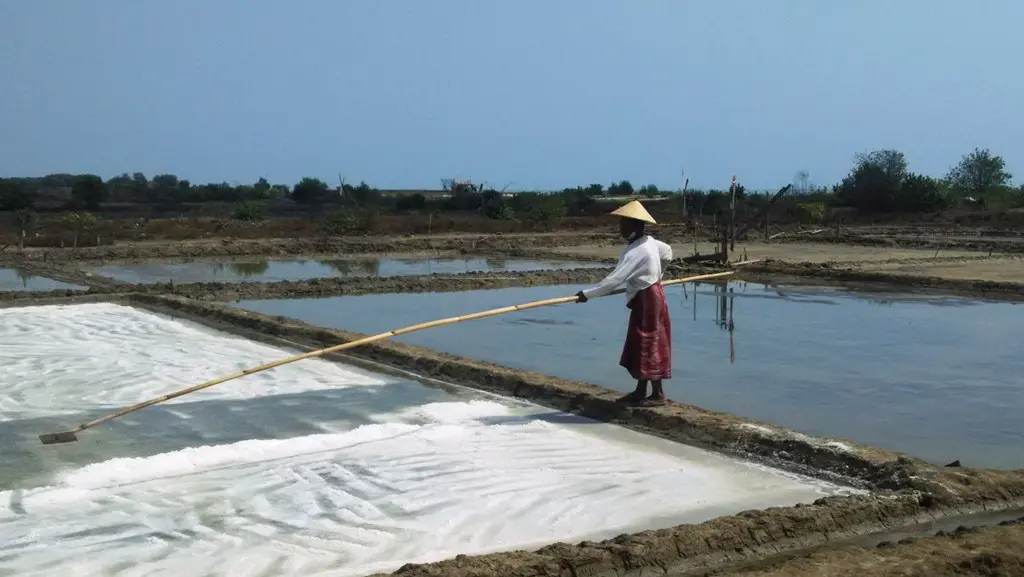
(250, 210)
(809, 212)
(535, 207)
(920, 193)
(341, 221)
(411, 202)
(493, 206)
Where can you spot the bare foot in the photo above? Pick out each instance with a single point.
(655, 400)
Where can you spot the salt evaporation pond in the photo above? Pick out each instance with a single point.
(296, 270)
(313, 468)
(16, 280)
(938, 378)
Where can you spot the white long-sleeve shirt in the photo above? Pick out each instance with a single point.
(641, 265)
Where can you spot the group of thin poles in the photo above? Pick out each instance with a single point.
(725, 306)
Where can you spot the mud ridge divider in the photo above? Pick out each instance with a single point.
(285, 247)
(328, 287)
(57, 297)
(772, 269)
(905, 241)
(903, 491)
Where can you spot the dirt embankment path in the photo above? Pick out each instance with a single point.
(374, 285)
(324, 287)
(340, 247)
(989, 552)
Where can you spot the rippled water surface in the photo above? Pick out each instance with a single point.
(294, 270)
(939, 378)
(16, 280)
(312, 468)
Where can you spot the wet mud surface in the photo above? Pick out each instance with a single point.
(904, 490)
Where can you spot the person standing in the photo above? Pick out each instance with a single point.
(647, 352)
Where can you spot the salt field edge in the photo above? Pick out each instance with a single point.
(903, 490)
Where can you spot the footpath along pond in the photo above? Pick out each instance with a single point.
(938, 378)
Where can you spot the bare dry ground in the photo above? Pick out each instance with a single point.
(989, 551)
(998, 269)
(952, 264)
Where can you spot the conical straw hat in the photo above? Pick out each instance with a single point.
(634, 210)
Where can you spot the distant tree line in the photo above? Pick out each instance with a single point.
(879, 182)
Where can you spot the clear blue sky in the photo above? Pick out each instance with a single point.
(540, 93)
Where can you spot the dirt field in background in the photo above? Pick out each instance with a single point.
(955, 264)
(1008, 269)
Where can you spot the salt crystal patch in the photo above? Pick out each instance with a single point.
(814, 441)
(460, 412)
(131, 355)
(198, 459)
(759, 428)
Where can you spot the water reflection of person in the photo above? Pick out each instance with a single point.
(647, 352)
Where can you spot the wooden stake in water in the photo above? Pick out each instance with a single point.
(732, 215)
(71, 435)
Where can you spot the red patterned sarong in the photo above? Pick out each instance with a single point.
(647, 354)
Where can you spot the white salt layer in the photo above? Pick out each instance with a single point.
(417, 484)
(66, 359)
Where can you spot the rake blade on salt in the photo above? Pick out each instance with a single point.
(54, 438)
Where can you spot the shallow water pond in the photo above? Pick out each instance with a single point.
(938, 378)
(16, 280)
(296, 270)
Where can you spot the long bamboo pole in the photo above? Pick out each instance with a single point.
(71, 435)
